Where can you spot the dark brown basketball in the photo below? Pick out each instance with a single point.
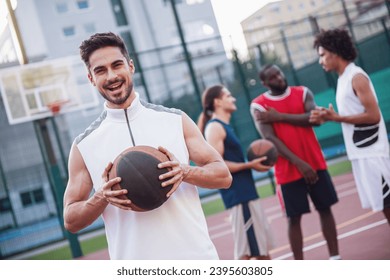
(137, 166)
(260, 148)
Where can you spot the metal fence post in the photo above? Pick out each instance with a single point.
(186, 52)
(242, 76)
(386, 30)
(350, 27)
(219, 74)
(56, 180)
(261, 55)
(133, 54)
(4, 182)
(290, 61)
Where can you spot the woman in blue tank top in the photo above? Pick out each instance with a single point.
(250, 227)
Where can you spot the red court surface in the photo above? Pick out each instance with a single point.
(362, 234)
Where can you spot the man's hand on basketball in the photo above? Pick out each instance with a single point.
(112, 193)
(176, 174)
(257, 165)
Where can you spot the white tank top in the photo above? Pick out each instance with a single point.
(361, 141)
(175, 230)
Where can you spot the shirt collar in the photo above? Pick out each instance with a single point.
(278, 97)
(118, 114)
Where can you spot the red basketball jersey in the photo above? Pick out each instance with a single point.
(301, 140)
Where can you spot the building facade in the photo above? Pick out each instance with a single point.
(285, 28)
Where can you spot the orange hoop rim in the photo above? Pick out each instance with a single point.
(55, 107)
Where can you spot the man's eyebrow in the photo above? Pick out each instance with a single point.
(98, 68)
(117, 61)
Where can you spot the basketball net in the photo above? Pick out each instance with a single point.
(55, 107)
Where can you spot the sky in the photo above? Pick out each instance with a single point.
(3, 12)
(229, 14)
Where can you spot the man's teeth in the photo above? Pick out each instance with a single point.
(114, 87)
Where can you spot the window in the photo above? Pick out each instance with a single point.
(38, 195)
(62, 7)
(32, 197)
(69, 31)
(82, 4)
(5, 204)
(274, 7)
(26, 199)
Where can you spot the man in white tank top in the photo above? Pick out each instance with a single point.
(175, 230)
(363, 127)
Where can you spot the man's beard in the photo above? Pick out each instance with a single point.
(119, 100)
(279, 88)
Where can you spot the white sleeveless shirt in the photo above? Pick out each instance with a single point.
(361, 141)
(175, 230)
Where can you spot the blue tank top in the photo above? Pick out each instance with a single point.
(243, 187)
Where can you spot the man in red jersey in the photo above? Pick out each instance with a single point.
(281, 115)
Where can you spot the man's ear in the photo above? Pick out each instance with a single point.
(132, 66)
(91, 79)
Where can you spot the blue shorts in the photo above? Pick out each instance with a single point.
(295, 195)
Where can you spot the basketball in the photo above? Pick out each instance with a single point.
(260, 148)
(137, 166)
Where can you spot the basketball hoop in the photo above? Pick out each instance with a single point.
(55, 107)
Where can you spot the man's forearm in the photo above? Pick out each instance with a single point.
(81, 214)
(295, 119)
(213, 175)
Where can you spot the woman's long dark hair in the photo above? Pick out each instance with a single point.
(208, 97)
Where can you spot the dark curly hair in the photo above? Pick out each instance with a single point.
(336, 41)
(101, 40)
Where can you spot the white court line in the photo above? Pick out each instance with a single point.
(272, 209)
(345, 185)
(278, 215)
(341, 236)
(220, 234)
(219, 226)
(347, 193)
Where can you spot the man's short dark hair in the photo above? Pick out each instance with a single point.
(263, 70)
(336, 41)
(101, 40)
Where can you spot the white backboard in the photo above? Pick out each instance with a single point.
(29, 89)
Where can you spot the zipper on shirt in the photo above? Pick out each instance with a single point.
(128, 126)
